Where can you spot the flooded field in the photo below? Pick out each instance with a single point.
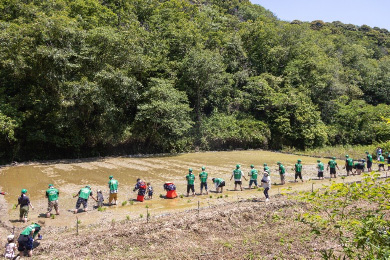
(70, 176)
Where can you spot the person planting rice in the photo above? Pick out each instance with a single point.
(24, 202)
(26, 238)
(83, 196)
(52, 196)
(219, 184)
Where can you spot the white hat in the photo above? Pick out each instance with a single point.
(10, 237)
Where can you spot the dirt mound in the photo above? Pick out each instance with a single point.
(239, 230)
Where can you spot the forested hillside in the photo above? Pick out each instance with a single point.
(98, 77)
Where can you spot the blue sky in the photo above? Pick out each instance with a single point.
(358, 12)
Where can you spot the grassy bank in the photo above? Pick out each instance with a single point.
(339, 151)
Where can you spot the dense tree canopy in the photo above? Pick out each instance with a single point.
(89, 77)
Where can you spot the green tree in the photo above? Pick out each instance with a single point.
(163, 118)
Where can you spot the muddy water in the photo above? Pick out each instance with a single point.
(70, 176)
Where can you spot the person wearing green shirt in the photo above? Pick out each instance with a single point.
(369, 162)
(190, 182)
(348, 164)
(381, 160)
(282, 173)
(298, 170)
(83, 196)
(332, 164)
(237, 174)
(320, 168)
(26, 238)
(253, 177)
(266, 168)
(203, 180)
(52, 196)
(359, 167)
(113, 186)
(219, 184)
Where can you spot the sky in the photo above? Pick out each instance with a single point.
(370, 12)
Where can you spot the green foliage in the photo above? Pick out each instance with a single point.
(226, 131)
(356, 213)
(163, 117)
(88, 78)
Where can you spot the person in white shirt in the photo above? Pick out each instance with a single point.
(266, 184)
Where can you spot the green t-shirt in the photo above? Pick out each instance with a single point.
(349, 162)
(203, 177)
(253, 174)
(190, 179)
(298, 167)
(52, 194)
(320, 166)
(381, 158)
(282, 170)
(266, 169)
(218, 180)
(27, 230)
(332, 164)
(369, 157)
(113, 184)
(84, 193)
(237, 174)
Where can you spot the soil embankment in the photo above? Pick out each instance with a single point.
(248, 229)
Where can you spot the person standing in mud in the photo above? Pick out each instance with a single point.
(24, 202)
(253, 177)
(332, 165)
(237, 174)
(83, 196)
(141, 187)
(369, 162)
(320, 168)
(190, 177)
(298, 170)
(113, 186)
(203, 180)
(52, 196)
(282, 173)
(26, 238)
(381, 161)
(348, 164)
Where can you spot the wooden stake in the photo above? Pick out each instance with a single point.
(77, 225)
(198, 208)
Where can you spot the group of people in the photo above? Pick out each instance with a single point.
(26, 238)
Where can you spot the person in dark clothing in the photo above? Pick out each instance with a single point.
(24, 203)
